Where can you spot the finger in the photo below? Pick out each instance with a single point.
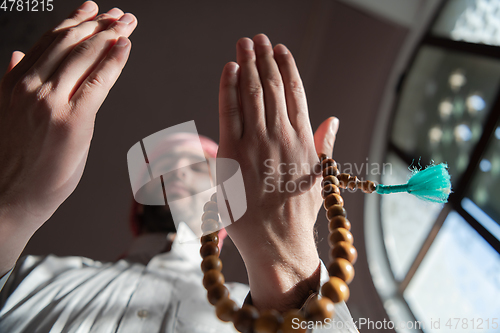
(85, 12)
(324, 137)
(86, 55)
(76, 17)
(230, 120)
(250, 88)
(272, 83)
(68, 39)
(96, 86)
(294, 90)
(14, 60)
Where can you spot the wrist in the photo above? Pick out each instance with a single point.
(282, 289)
(16, 229)
(282, 276)
(276, 238)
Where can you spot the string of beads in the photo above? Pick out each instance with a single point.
(343, 255)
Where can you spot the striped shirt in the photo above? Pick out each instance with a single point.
(49, 294)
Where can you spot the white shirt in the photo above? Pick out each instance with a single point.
(49, 294)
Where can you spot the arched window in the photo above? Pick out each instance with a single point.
(440, 264)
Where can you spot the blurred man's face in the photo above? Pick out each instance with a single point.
(189, 178)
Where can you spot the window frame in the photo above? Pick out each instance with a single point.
(390, 289)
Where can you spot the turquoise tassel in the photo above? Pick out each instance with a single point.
(431, 184)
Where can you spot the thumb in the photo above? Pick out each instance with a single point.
(14, 59)
(324, 137)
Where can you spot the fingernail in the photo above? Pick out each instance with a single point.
(87, 6)
(334, 125)
(233, 67)
(122, 41)
(247, 44)
(262, 39)
(127, 18)
(280, 49)
(115, 12)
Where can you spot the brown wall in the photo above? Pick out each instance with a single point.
(179, 49)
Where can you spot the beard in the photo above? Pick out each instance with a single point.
(156, 219)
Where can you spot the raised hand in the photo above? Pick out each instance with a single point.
(48, 102)
(264, 125)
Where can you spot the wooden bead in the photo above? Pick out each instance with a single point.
(343, 179)
(342, 269)
(244, 318)
(213, 197)
(289, 322)
(211, 262)
(217, 292)
(335, 210)
(327, 163)
(329, 189)
(209, 249)
(352, 183)
(336, 290)
(212, 277)
(210, 215)
(209, 226)
(368, 186)
(319, 309)
(225, 309)
(211, 206)
(213, 237)
(362, 185)
(333, 199)
(344, 250)
(330, 171)
(268, 322)
(329, 180)
(340, 235)
(339, 222)
(322, 157)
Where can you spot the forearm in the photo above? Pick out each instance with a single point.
(45, 138)
(15, 232)
(284, 275)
